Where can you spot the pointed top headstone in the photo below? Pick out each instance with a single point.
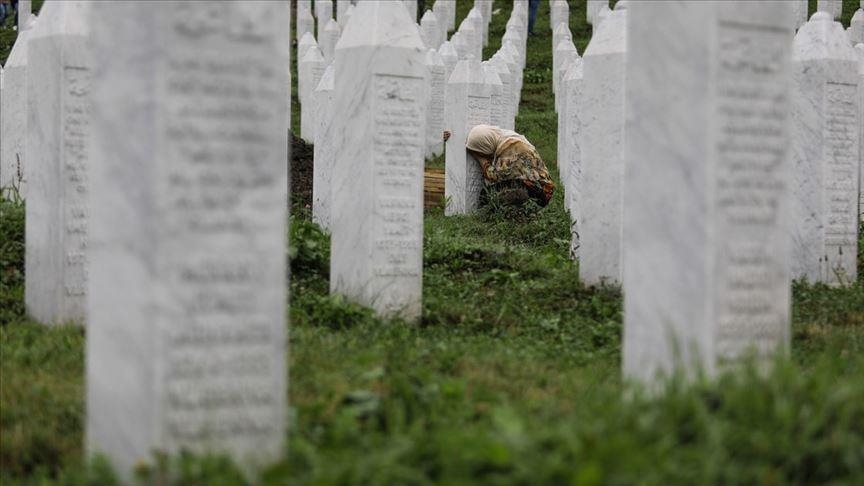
(380, 23)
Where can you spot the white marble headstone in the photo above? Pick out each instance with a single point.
(503, 70)
(564, 50)
(411, 6)
(58, 90)
(377, 191)
(856, 27)
(497, 101)
(593, 9)
(436, 87)
(187, 299)
(329, 38)
(573, 88)
(322, 173)
(600, 202)
(323, 12)
(799, 12)
(303, 46)
(468, 104)
(859, 49)
(449, 56)
(706, 247)
(825, 145)
(430, 30)
(304, 19)
(311, 69)
(13, 131)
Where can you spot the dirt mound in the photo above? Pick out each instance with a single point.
(301, 172)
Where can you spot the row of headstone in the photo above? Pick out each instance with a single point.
(761, 145)
(481, 93)
(170, 244)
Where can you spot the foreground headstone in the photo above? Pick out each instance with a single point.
(58, 88)
(603, 151)
(377, 191)
(322, 175)
(436, 86)
(825, 142)
(706, 250)
(468, 104)
(187, 305)
(13, 127)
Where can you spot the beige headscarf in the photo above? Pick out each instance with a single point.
(486, 139)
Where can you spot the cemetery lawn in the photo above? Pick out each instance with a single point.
(512, 376)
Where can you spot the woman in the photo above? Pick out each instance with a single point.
(510, 164)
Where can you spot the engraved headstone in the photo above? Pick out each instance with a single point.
(476, 19)
(305, 21)
(825, 145)
(311, 69)
(518, 40)
(603, 151)
(436, 86)
(500, 66)
(377, 190)
(13, 130)
(706, 248)
(187, 298)
(468, 104)
(58, 90)
(573, 88)
(322, 174)
(564, 117)
(329, 38)
(449, 56)
(468, 33)
(497, 107)
(430, 30)
(460, 44)
(303, 45)
(512, 55)
(564, 50)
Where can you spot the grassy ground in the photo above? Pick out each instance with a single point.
(512, 377)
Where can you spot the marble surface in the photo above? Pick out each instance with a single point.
(13, 126)
(825, 145)
(559, 12)
(565, 50)
(430, 30)
(329, 38)
(859, 49)
(603, 152)
(565, 115)
(411, 7)
(303, 45)
(322, 175)
(512, 55)
(468, 104)
(497, 108)
(503, 71)
(471, 37)
(593, 8)
(571, 169)
(304, 19)
(436, 87)
(377, 216)
(187, 298)
(449, 56)
(57, 146)
(324, 13)
(834, 7)
(311, 69)
(856, 27)
(706, 248)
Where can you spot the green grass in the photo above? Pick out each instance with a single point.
(512, 377)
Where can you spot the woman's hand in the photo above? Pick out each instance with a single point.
(447, 135)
